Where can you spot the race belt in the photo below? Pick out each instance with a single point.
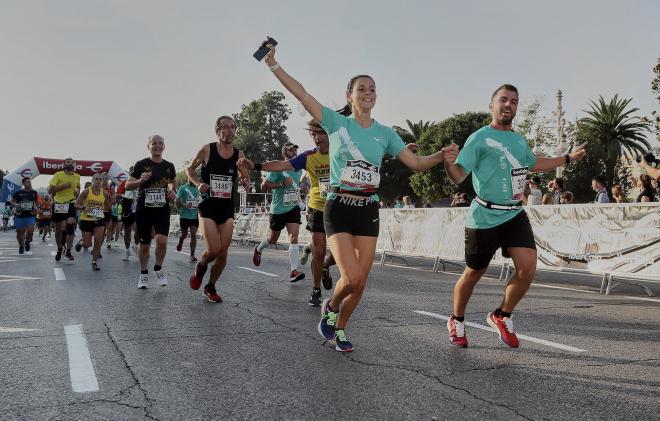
(491, 205)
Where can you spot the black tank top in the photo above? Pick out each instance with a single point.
(220, 174)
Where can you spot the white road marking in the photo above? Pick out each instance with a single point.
(565, 288)
(81, 370)
(12, 278)
(15, 329)
(640, 298)
(653, 300)
(522, 337)
(59, 274)
(258, 271)
(53, 253)
(10, 260)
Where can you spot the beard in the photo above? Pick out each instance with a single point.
(68, 167)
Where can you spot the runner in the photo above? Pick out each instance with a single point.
(317, 165)
(109, 188)
(186, 200)
(6, 214)
(25, 201)
(128, 207)
(116, 222)
(357, 146)
(284, 211)
(64, 187)
(499, 160)
(44, 213)
(154, 179)
(216, 210)
(92, 202)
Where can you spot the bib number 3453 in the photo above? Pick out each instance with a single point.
(359, 173)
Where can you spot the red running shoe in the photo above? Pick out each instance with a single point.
(296, 276)
(457, 333)
(504, 327)
(256, 257)
(211, 294)
(197, 276)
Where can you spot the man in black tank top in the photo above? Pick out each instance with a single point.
(216, 210)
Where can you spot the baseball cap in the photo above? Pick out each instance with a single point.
(287, 146)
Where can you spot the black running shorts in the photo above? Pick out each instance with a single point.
(354, 216)
(89, 226)
(481, 244)
(218, 212)
(186, 223)
(148, 219)
(279, 220)
(58, 217)
(315, 220)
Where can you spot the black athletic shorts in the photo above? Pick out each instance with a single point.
(481, 244)
(107, 216)
(148, 219)
(218, 212)
(58, 217)
(359, 217)
(88, 226)
(186, 223)
(315, 220)
(44, 223)
(279, 220)
(115, 218)
(128, 220)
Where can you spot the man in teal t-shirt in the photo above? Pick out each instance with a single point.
(187, 199)
(499, 160)
(284, 212)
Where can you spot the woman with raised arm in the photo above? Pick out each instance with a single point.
(357, 146)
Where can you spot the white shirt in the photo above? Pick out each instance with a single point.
(534, 197)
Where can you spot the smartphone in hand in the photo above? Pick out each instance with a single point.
(263, 50)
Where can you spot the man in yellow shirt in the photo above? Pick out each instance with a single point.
(65, 188)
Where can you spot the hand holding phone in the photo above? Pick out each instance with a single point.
(263, 50)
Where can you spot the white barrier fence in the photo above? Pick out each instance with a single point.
(615, 241)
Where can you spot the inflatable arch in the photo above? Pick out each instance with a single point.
(38, 166)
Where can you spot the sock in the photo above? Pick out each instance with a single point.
(144, 272)
(308, 250)
(498, 312)
(460, 319)
(294, 256)
(264, 243)
(316, 290)
(157, 268)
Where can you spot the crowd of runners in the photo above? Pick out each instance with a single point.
(342, 208)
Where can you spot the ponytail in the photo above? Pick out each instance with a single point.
(347, 110)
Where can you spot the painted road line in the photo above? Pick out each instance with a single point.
(653, 300)
(7, 261)
(521, 337)
(258, 271)
(639, 298)
(81, 370)
(59, 274)
(15, 329)
(12, 278)
(565, 288)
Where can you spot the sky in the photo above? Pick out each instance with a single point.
(92, 79)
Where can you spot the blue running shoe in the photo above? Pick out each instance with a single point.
(328, 320)
(342, 344)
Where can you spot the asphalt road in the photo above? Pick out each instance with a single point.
(166, 353)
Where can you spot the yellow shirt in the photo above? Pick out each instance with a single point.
(67, 195)
(93, 206)
(317, 166)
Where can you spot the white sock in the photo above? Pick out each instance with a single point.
(263, 245)
(294, 256)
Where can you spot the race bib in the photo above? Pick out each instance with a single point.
(291, 197)
(221, 186)
(26, 205)
(46, 213)
(324, 185)
(61, 208)
(95, 212)
(518, 181)
(359, 173)
(191, 204)
(154, 198)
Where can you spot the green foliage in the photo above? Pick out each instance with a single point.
(654, 121)
(262, 130)
(535, 127)
(433, 184)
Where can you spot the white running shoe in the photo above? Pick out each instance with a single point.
(134, 247)
(128, 254)
(162, 279)
(143, 282)
(305, 256)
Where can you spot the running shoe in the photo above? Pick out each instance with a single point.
(326, 279)
(457, 333)
(27, 246)
(126, 256)
(68, 256)
(504, 328)
(328, 320)
(256, 257)
(78, 246)
(161, 278)
(95, 266)
(58, 255)
(296, 276)
(135, 249)
(21, 250)
(143, 281)
(179, 246)
(315, 299)
(108, 246)
(43, 239)
(197, 276)
(193, 259)
(305, 256)
(341, 343)
(211, 294)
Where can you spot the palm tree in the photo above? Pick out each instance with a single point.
(617, 131)
(414, 131)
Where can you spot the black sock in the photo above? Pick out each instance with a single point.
(144, 272)
(460, 319)
(316, 289)
(498, 312)
(157, 268)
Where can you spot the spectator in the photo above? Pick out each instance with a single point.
(557, 186)
(407, 203)
(547, 199)
(647, 193)
(460, 200)
(617, 194)
(566, 198)
(598, 185)
(398, 204)
(535, 193)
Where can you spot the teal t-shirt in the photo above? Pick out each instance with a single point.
(188, 195)
(356, 153)
(285, 198)
(499, 162)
